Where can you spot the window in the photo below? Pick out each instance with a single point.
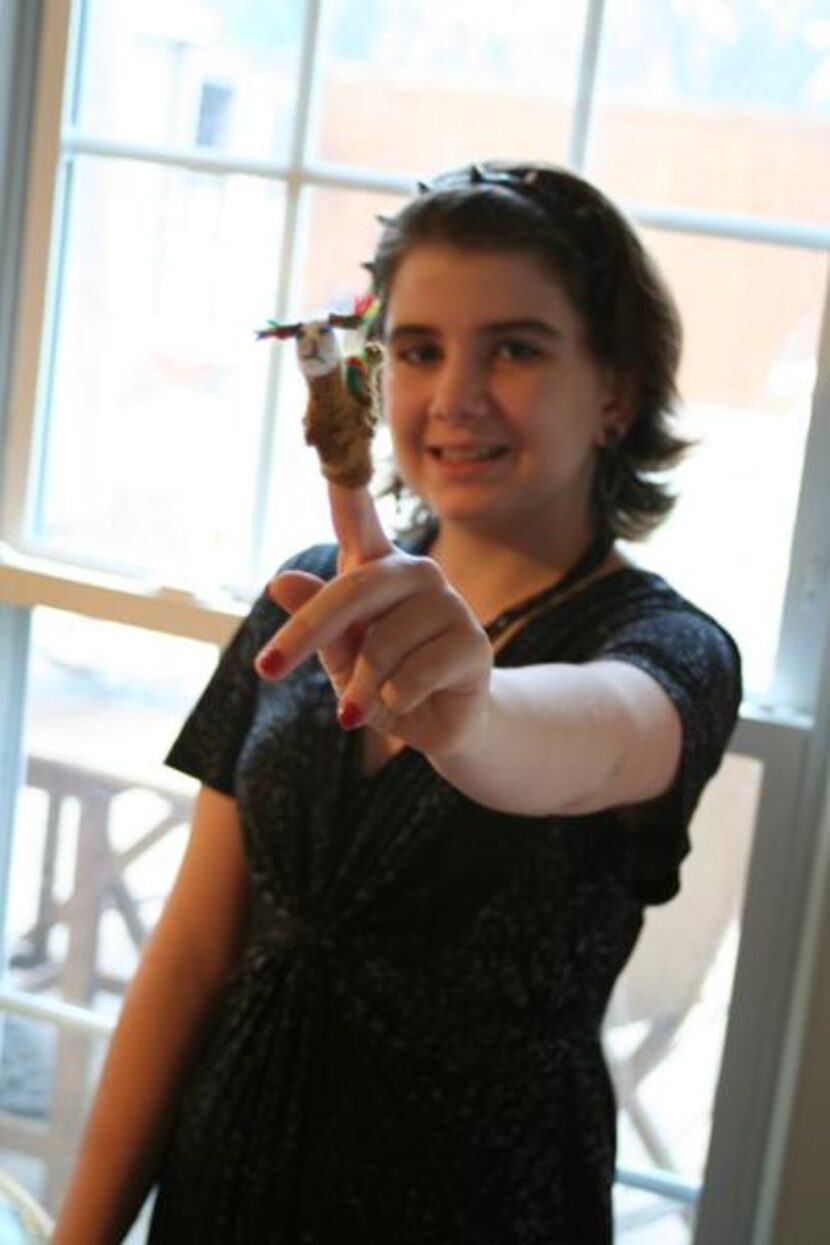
(154, 471)
(213, 122)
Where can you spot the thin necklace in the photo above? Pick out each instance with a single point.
(592, 558)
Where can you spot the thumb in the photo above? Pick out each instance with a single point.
(292, 589)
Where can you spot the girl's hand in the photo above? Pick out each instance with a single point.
(403, 650)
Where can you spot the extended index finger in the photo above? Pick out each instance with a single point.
(357, 526)
(327, 618)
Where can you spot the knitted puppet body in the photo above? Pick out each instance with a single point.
(341, 414)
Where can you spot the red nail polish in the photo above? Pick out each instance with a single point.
(270, 663)
(349, 716)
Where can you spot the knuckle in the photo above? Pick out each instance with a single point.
(356, 580)
(418, 678)
(382, 718)
(336, 667)
(409, 686)
(394, 697)
(430, 572)
(373, 652)
(299, 633)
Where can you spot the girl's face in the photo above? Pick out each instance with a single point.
(495, 405)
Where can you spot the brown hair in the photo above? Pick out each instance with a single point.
(587, 245)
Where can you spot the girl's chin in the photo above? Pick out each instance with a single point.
(478, 514)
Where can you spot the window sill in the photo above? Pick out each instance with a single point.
(28, 580)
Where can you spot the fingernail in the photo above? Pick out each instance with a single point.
(270, 662)
(349, 716)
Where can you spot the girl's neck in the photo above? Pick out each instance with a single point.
(491, 573)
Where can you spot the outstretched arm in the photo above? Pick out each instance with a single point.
(407, 656)
(568, 739)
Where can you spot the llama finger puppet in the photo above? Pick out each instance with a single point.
(342, 412)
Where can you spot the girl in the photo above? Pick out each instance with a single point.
(440, 782)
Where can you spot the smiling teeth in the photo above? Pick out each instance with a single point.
(469, 454)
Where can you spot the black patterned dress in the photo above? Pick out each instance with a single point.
(409, 1052)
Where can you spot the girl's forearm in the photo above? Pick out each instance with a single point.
(163, 1018)
(561, 739)
(173, 996)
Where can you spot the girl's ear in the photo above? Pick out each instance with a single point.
(618, 410)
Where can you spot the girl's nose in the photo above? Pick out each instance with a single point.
(460, 392)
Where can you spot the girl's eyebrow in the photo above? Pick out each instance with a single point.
(527, 325)
(410, 330)
(490, 328)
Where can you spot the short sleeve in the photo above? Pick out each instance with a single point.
(209, 743)
(698, 665)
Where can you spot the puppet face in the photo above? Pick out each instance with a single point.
(317, 349)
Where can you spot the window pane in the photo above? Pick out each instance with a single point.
(418, 86)
(716, 106)
(667, 1020)
(338, 233)
(751, 325)
(218, 75)
(99, 831)
(101, 822)
(158, 388)
(47, 1078)
(642, 1218)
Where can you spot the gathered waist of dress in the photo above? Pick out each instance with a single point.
(283, 929)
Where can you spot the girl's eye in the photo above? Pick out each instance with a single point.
(418, 354)
(518, 350)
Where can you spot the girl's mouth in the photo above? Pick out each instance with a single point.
(467, 453)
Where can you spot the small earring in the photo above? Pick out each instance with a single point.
(397, 498)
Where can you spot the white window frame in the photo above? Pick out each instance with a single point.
(790, 735)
